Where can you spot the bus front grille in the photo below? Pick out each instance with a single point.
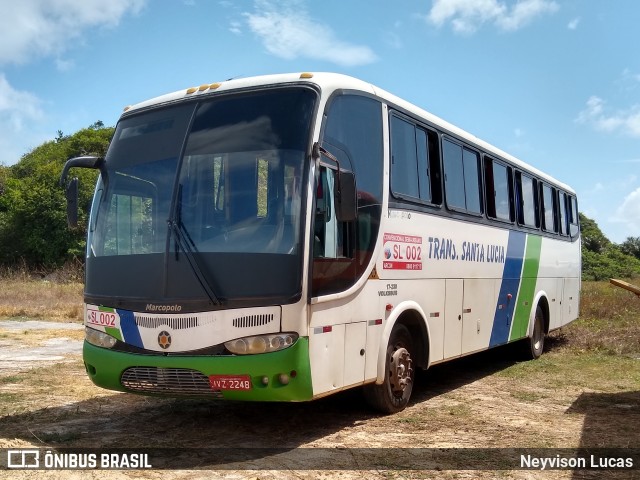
(168, 381)
(249, 321)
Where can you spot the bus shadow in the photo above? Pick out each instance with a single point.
(446, 377)
(611, 427)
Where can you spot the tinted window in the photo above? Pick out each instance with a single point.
(410, 174)
(453, 175)
(563, 217)
(574, 224)
(548, 209)
(472, 180)
(404, 170)
(526, 199)
(353, 133)
(498, 190)
(462, 177)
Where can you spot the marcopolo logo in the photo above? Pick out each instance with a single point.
(152, 307)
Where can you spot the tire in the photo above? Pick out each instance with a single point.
(535, 342)
(393, 394)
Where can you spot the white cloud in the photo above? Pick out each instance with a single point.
(64, 65)
(35, 29)
(19, 111)
(41, 28)
(235, 28)
(288, 32)
(467, 16)
(597, 188)
(628, 212)
(16, 106)
(573, 24)
(595, 114)
(628, 81)
(393, 40)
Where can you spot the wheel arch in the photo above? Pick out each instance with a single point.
(412, 316)
(542, 301)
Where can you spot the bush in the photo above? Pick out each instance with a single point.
(33, 225)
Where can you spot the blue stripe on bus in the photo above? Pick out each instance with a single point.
(510, 285)
(129, 328)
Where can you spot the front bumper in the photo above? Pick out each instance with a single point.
(164, 374)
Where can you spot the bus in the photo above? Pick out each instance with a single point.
(285, 237)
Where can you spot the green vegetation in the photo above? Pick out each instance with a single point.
(33, 227)
(602, 259)
(34, 233)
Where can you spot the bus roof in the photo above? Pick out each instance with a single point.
(329, 82)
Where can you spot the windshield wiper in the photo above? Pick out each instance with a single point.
(186, 244)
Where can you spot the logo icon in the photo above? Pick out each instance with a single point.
(164, 339)
(23, 459)
(387, 253)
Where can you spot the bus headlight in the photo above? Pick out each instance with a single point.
(99, 339)
(261, 343)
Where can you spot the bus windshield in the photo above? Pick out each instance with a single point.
(203, 197)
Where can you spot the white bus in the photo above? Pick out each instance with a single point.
(285, 237)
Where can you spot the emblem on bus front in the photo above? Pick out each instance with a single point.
(164, 339)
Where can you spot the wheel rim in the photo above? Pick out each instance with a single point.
(401, 371)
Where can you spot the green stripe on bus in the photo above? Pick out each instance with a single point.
(527, 287)
(114, 332)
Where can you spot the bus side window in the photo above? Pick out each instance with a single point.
(563, 211)
(549, 223)
(462, 178)
(415, 162)
(498, 190)
(527, 201)
(574, 223)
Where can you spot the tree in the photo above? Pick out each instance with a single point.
(602, 259)
(33, 225)
(592, 237)
(631, 246)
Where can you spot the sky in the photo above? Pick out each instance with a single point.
(555, 83)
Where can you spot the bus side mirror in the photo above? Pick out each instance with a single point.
(345, 197)
(71, 189)
(71, 192)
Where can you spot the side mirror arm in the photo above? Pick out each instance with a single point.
(83, 162)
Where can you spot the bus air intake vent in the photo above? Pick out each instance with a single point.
(252, 320)
(167, 381)
(173, 323)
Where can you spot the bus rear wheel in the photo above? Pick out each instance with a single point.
(535, 342)
(395, 391)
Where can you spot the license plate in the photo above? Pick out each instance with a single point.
(230, 382)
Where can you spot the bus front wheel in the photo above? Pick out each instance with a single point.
(395, 391)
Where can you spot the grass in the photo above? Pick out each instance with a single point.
(609, 321)
(526, 396)
(54, 296)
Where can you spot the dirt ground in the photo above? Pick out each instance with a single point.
(486, 401)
